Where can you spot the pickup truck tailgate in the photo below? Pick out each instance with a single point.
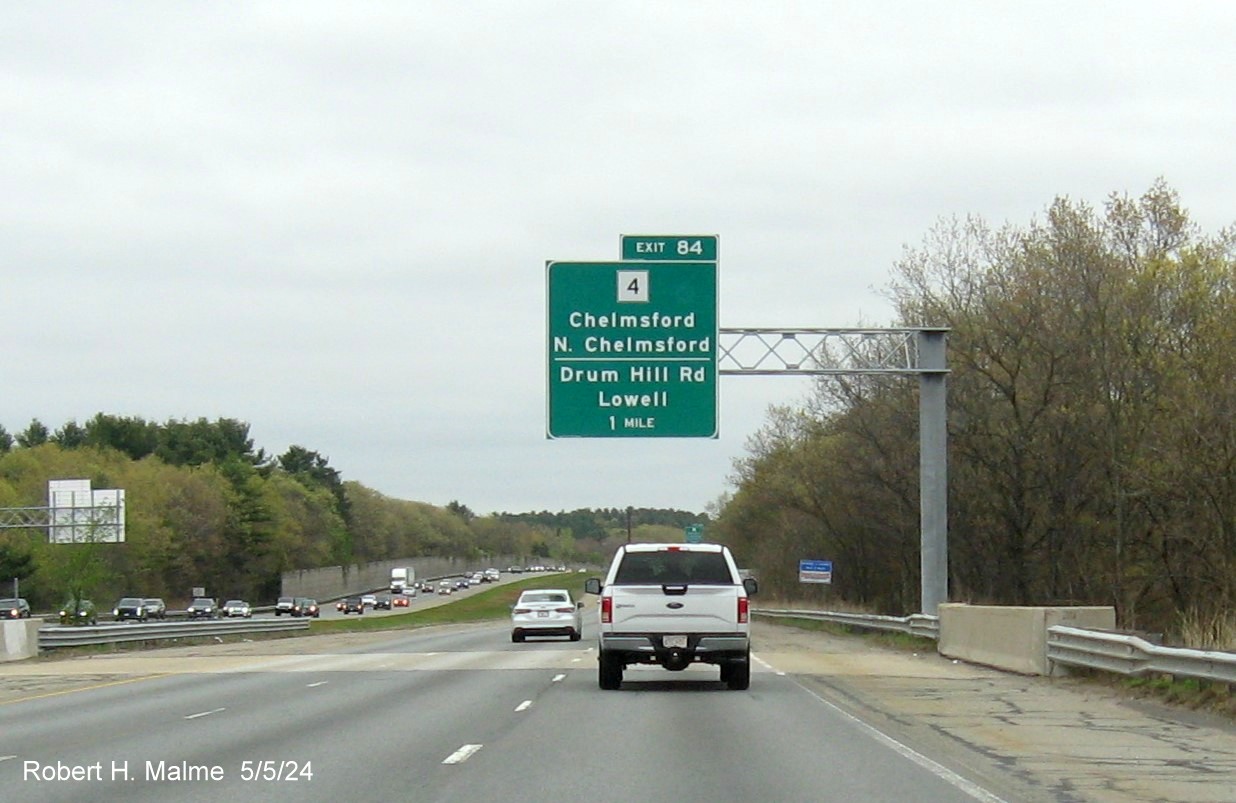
(698, 609)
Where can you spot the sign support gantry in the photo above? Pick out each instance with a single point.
(830, 352)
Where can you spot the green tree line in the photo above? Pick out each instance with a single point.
(1092, 426)
(205, 508)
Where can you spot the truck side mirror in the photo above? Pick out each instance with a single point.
(592, 585)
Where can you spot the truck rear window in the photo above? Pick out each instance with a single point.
(673, 568)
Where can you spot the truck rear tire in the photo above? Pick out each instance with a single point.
(609, 672)
(738, 678)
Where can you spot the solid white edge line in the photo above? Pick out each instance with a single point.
(939, 770)
(462, 754)
(524, 706)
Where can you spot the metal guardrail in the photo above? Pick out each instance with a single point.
(916, 624)
(1069, 646)
(1130, 655)
(76, 636)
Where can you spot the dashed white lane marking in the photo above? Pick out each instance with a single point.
(557, 678)
(6, 758)
(767, 665)
(200, 714)
(524, 706)
(462, 754)
(315, 685)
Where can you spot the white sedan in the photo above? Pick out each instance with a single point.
(547, 612)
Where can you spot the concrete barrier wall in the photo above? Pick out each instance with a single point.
(19, 639)
(1010, 637)
(337, 581)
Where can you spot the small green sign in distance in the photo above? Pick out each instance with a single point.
(632, 349)
(670, 247)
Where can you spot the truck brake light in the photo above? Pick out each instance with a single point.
(744, 608)
(607, 610)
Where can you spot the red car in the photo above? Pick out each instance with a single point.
(399, 601)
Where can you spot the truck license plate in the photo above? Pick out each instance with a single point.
(674, 641)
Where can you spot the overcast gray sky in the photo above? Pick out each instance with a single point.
(331, 220)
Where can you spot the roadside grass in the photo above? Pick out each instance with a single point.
(1197, 695)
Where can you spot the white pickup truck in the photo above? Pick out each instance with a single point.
(674, 605)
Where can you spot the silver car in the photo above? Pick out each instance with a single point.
(237, 607)
(546, 612)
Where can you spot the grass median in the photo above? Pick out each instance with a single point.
(489, 604)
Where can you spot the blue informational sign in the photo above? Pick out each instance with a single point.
(815, 571)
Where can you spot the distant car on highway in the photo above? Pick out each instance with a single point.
(236, 608)
(80, 613)
(383, 602)
(399, 601)
(352, 605)
(155, 608)
(14, 608)
(369, 600)
(130, 608)
(203, 608)
(446, 587)
(306, 607)
(285, 605)
(546, 612)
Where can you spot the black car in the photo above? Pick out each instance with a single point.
(130, 608)
(203, 608)
(155, 608)
(384, 602)
(285, 605)
(352, 605)
(14, 608)
(79, 612)
(306, 607)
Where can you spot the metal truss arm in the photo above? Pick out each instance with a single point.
(822, 352)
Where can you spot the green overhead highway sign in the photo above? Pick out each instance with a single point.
(632, 349)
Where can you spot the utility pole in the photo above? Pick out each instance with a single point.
(628, 524)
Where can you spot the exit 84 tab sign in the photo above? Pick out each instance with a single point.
(632, 349)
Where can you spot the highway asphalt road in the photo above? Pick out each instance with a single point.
(461, 713)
